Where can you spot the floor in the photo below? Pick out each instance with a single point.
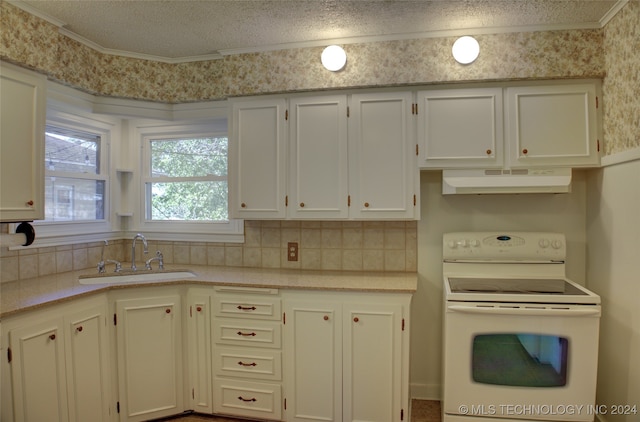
(421, 411)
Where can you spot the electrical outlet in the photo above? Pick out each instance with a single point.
(292, 251)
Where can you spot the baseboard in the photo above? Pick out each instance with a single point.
(425, 391)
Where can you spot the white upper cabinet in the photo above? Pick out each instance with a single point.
(382, 157)
(460, 128)
(257, 159)
(361, 166)
(554, 125)
(22, 122)
(318, 185)
(510, 126)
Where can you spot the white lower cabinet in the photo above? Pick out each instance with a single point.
(200, 379)
(149, 351)
(58, 363)
(247, 366)
(346, 356)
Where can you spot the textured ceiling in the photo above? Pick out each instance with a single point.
(179, 29)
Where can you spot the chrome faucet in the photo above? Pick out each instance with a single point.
(102, 264)
(133, 249)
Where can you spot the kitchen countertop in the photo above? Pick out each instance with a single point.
(24, 295)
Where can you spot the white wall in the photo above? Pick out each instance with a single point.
(564, 213)
(613, 268)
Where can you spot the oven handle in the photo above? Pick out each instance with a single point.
(524, 311)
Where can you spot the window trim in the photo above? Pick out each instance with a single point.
(231, 231)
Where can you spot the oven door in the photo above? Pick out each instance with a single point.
(520, 361)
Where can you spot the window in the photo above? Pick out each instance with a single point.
(187, 179)
(74, 183)
(183, 185)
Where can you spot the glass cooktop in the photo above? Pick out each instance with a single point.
(514, 286)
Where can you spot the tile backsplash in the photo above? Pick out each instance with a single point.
(323, 245)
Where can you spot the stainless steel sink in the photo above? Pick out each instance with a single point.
(138, 276)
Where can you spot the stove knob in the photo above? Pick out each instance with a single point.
(556, 244)
(464, 243)
(475, 243)
(543, 243)
(453, 244)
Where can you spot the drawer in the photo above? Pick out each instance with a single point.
(247, 399)
(248, 363)
(247, 332)
(246, 306)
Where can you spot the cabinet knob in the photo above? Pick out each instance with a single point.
(243, 205)
(52, 337)
(489, 152)
(30, 203)
(301, 204)
(79, 328)
(525, 151)
(199, 308)
(366, 205)
(326, 317)
(356, 319)
(168, 310)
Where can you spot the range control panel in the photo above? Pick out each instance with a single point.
(507, 246)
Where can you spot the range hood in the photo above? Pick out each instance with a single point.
(479, 181)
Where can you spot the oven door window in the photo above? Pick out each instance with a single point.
(520, 359)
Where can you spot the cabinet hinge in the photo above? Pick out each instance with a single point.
(9, 355)
(284, 317)
(115, 319)
(401, 414)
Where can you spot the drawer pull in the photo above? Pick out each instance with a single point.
(246, 308)
(240, 333)
(243, 399)
(241, 363)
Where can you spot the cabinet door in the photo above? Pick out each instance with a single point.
(553, 125)
(313, 350)
(382, 157)
(149, 357)
(372, 360)
(38, 372)
(22, 122)
(257, 159)
(318, 157)
(460, 128)
(199, 346)
(87, 363)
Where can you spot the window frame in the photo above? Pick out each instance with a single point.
(60, 232)
(231, 230)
